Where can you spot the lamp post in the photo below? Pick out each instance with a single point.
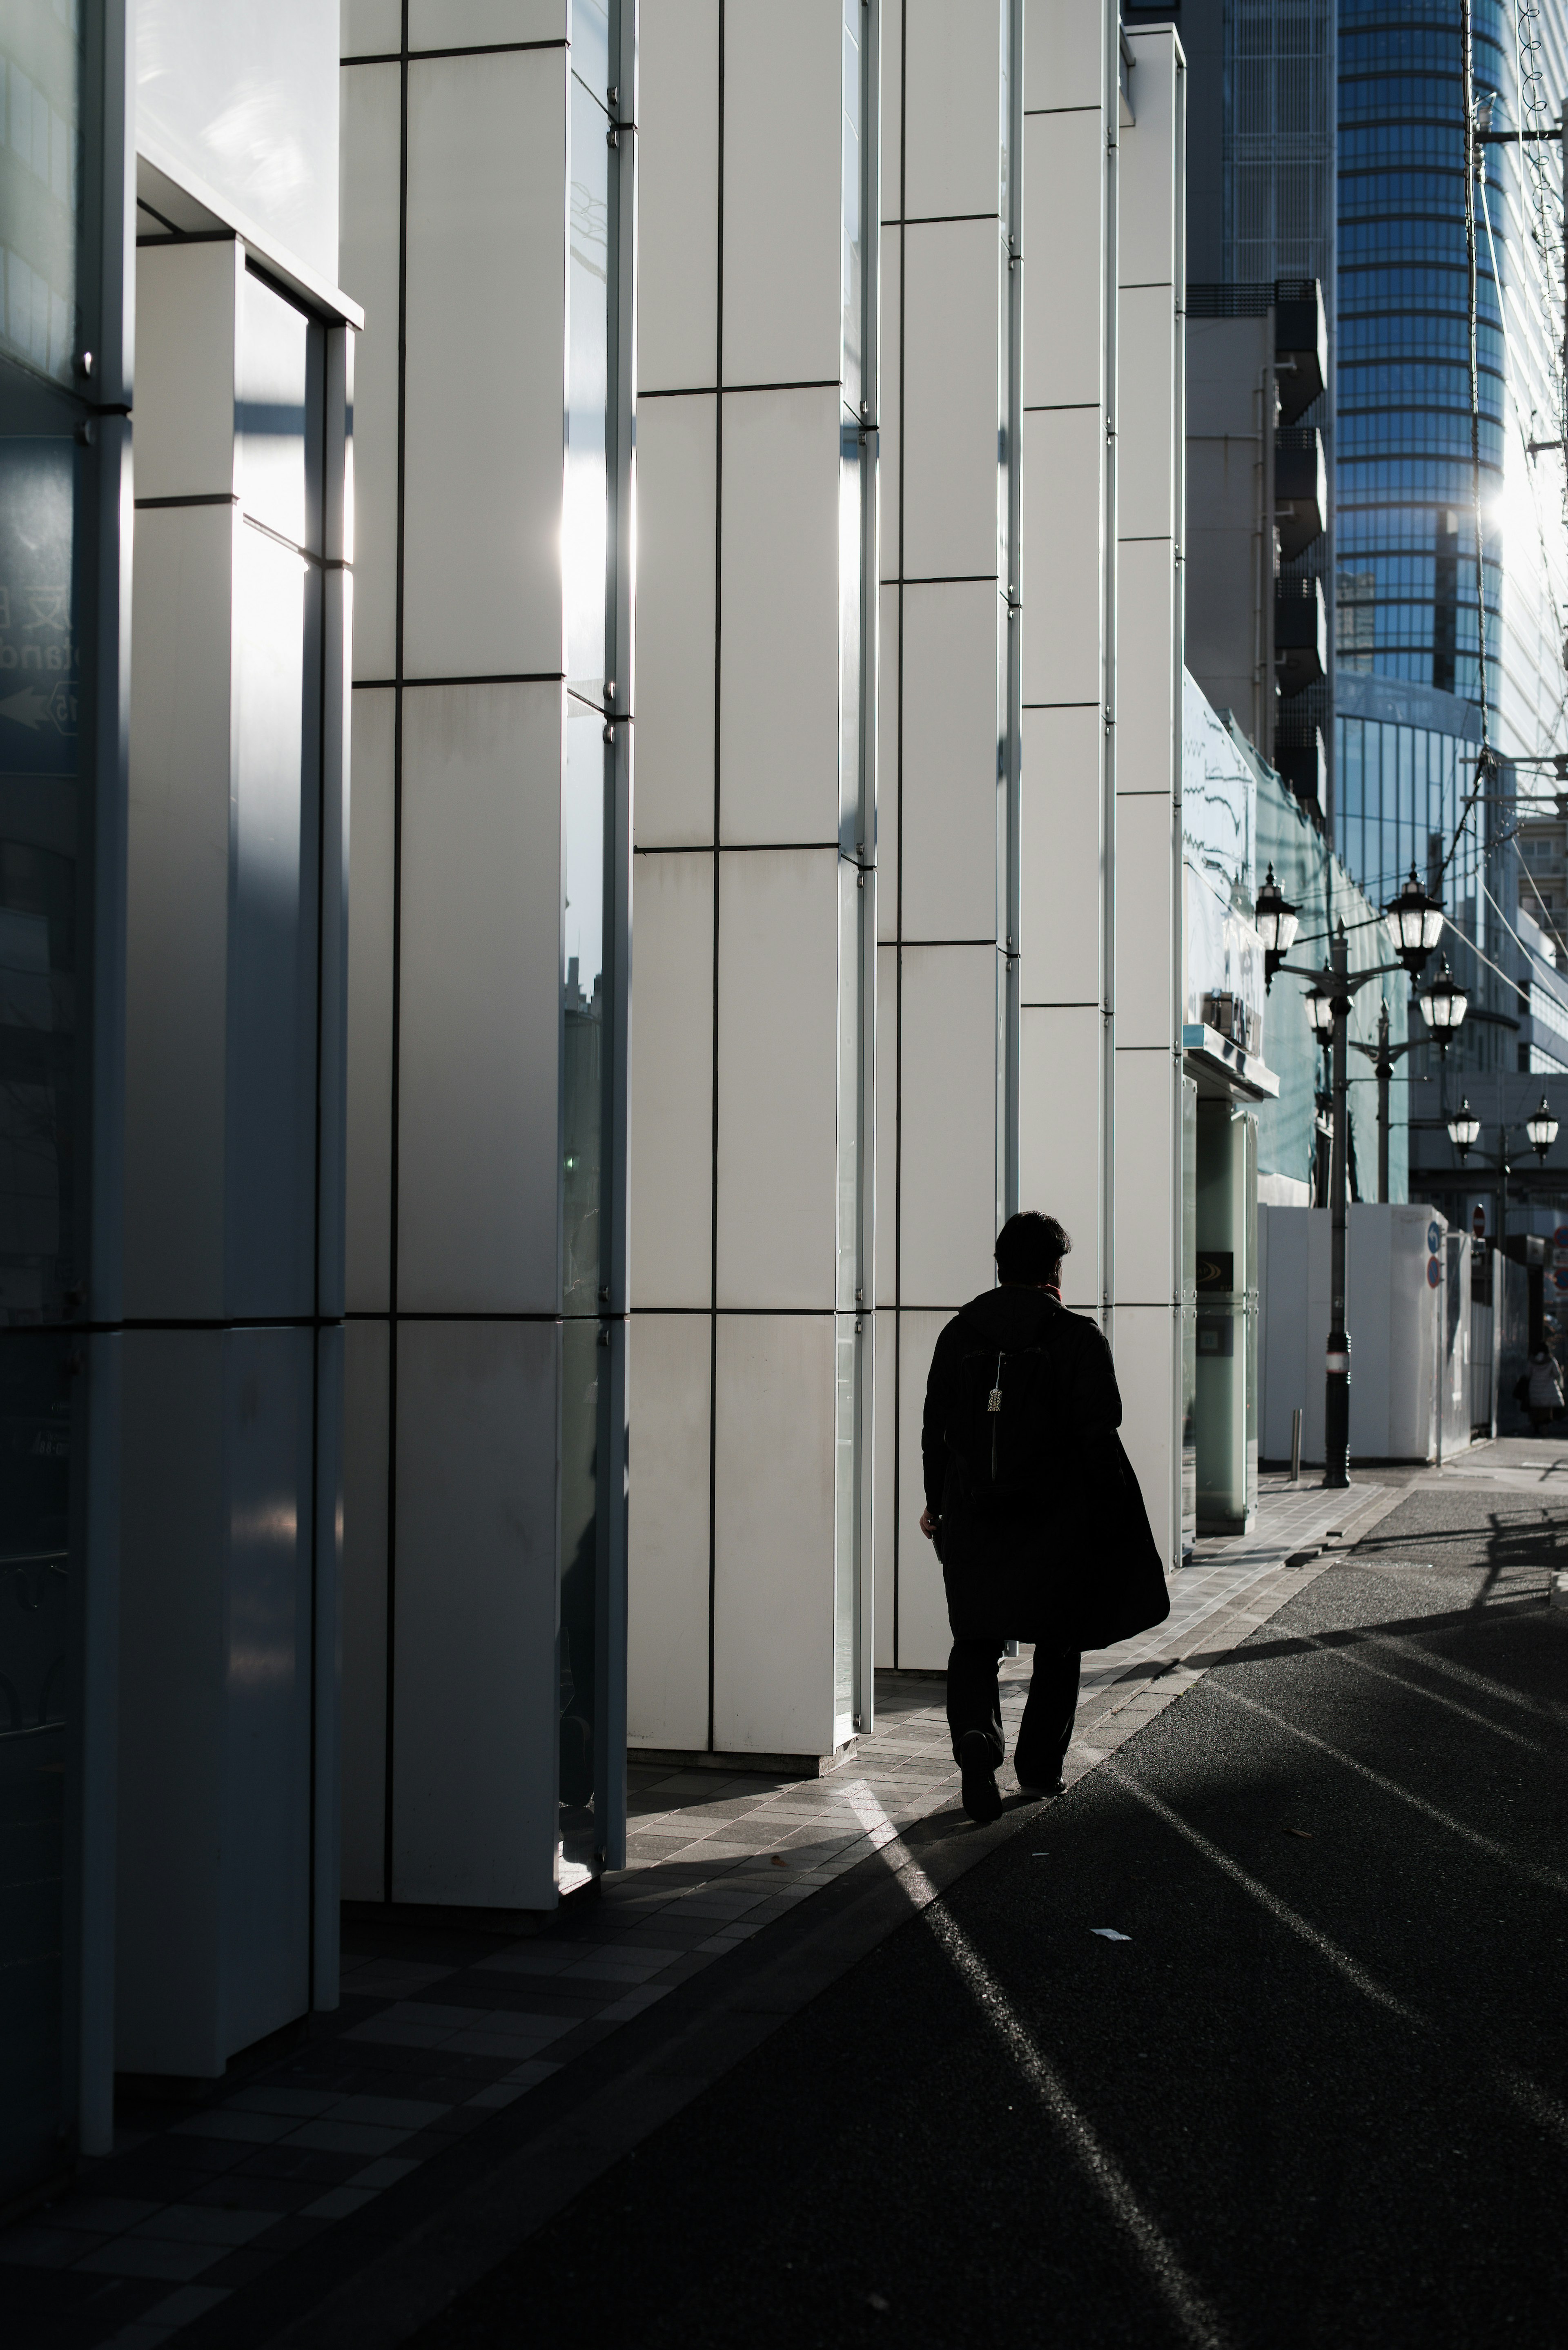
(1383, 1055)
(1417, 921)
(1464, 1133)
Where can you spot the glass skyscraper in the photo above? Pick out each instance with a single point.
(1408, 673)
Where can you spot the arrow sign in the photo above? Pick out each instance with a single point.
(28, 708)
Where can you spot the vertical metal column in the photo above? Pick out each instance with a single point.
(1337, 1397)
(866, 856)
(610, 1613)
(1013, 737)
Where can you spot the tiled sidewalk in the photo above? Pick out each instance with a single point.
(442, 2025)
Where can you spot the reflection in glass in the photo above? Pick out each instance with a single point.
(591, 43)
(581, 1358)
(39, 1266)
(583, 1007)
(40, 80)
(584, 535)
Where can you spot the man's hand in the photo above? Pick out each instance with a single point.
(927, 1525)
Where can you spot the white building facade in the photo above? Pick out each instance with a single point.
(637, 816)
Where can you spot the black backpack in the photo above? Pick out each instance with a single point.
(1000, 1418)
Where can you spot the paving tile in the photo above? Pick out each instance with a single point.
(386, 2172)
(339, 2203)
(394, 2113)
(529, 2076)
(621, 2010)
(282, 2099)
(48, 2248)
(141, 2257)
(107, 2215)
(257, 2130)
(202, 2223)
(347, 2138)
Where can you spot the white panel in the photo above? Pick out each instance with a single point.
(247, 99)
(892, 117)
(1064, 276)
(1148, 732)
(948, 1123)
(1064, 52)
(480, 1009)
(1148, 846)
(486, 277)
(1148, 1140)
(953, 107)
(1146, 446)
(368, 1234)
(952, 728)
(1059, 1145)
(369, 28)
(1149, 1373)
(1064, 451)
(676, 196)
(372, 103)
(667, 1603)
(885, 1341)
(952, 400)
(784, 79)
(450, 24)
(1148, 190)
(214, 1676)
(773, 1493)
(670, 1147)
(887, 1125)
(778, 1075)
(366, 1439)
(177, 911)
(890, 409)
(677, 455)
(924, 1635)
(267, 1455)
(476, 1689)
(185, 337)
(1061, 889)
(779, 709)
(170, 1824)
(887, 744)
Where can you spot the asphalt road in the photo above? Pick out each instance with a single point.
(1319, 2094)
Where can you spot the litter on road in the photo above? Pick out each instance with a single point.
(1109, 1934)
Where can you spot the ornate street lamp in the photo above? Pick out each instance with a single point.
(1278, 922)
(1320, 1007)
(1443, 1005)
(1542, 1128)
(1417, 922)
(1464, 1129)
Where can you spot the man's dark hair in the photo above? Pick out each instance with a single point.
(1030, 1247)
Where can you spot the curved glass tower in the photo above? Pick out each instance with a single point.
(1409, 672)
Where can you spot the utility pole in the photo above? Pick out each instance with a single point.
(1337, 1398)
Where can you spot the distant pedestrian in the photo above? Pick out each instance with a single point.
(1034, 1508)
(1545, 1391)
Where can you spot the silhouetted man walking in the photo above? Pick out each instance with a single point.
(1033, 1507)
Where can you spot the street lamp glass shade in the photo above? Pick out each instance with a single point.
(1542, 1128)
(1319, 1009)
(1277, 920)
(1464, 1128)
(1417, 922)
(1444, 1003)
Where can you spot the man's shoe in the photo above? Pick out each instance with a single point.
(982, 1796)
(1035, 1793)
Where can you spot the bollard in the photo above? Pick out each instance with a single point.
(1296, 1445)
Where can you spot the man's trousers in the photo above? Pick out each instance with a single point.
(975, 1702)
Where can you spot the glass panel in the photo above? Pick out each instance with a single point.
(591, 44)
(583, 1003)
(581, 1358)
(40, 80)
(584, 538)
(851, 201)
(39, 1267)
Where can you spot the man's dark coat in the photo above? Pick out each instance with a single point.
(1073, 1563)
